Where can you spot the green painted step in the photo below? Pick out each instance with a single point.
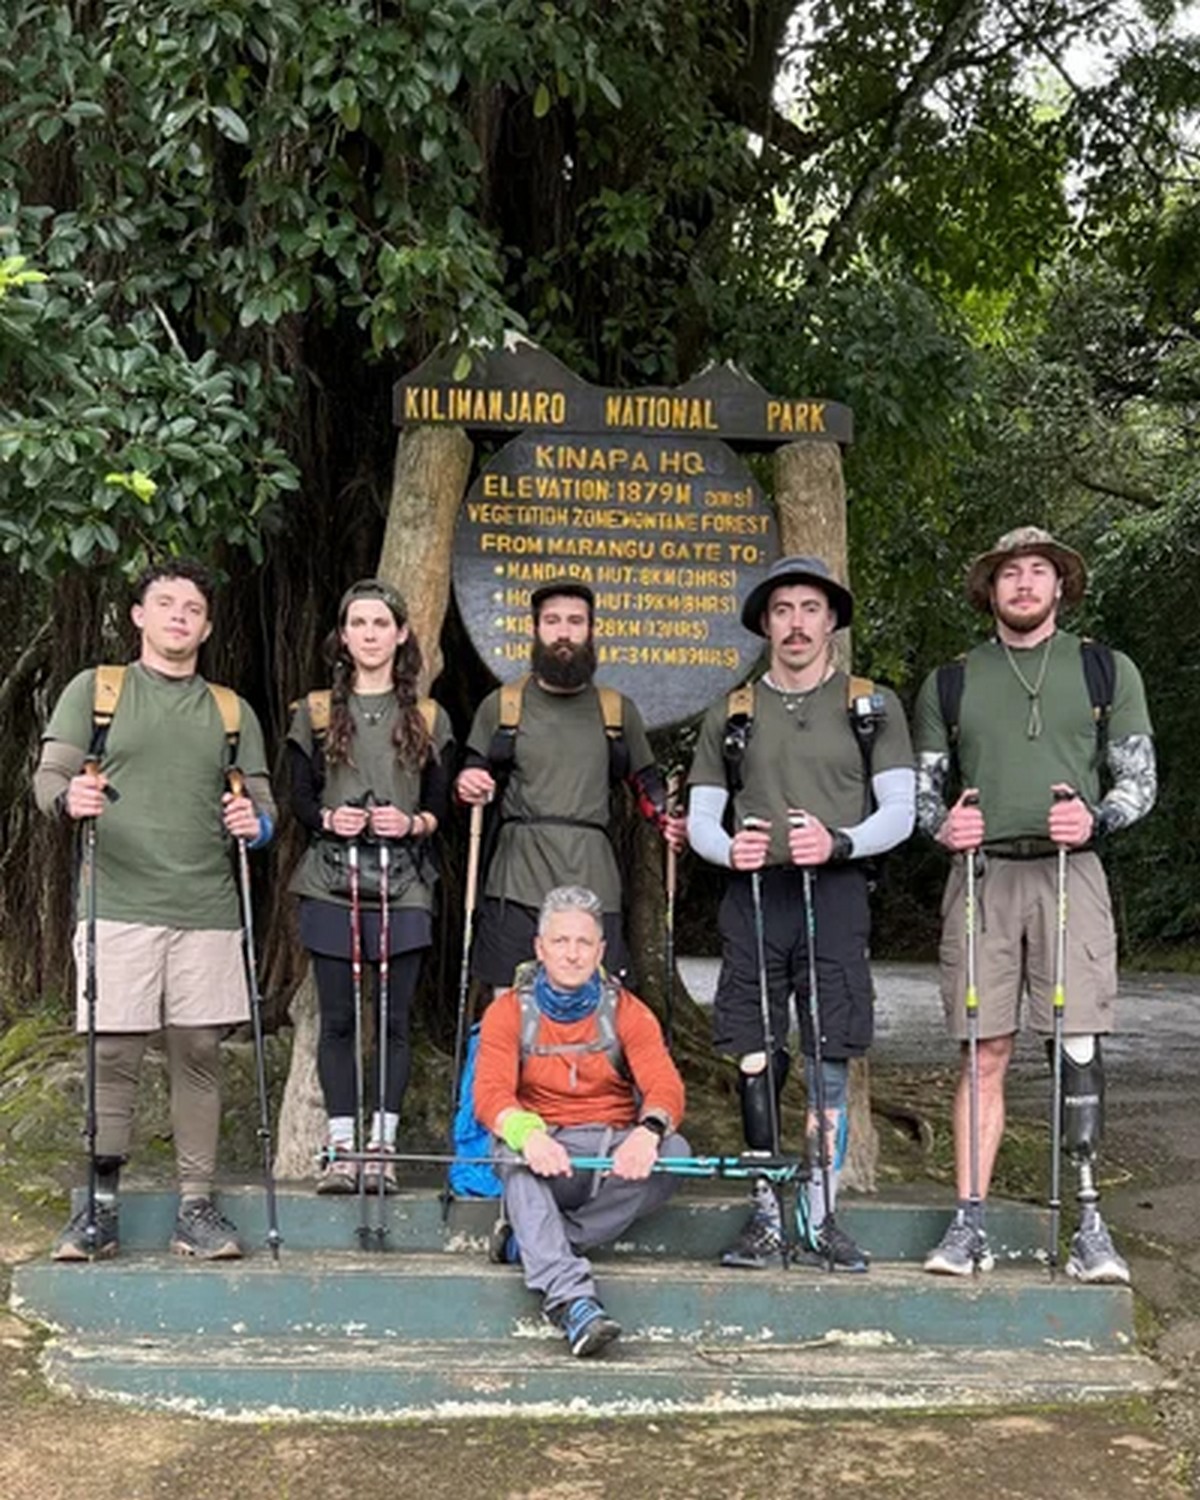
(418, 1297)
(361, 1379)
(698, 1223)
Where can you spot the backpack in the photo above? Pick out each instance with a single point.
(1099, 673)
(503, 747)
(106, 694)
(865, 708)
(320, 702)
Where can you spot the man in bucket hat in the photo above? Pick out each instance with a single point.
(1029, 716)
(811, 800)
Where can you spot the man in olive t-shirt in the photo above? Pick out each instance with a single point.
(801, 806)
(555, 774)
(168, 927)
(1026, 736)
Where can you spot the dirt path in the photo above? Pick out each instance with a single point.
(58, 1447)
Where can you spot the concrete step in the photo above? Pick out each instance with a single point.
(415, 1297)
(698, 1223)
(369, 1379)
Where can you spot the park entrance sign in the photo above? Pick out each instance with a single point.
(638, 494)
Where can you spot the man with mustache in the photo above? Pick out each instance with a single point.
(802, 802)
(554, 771)
(1027, 725)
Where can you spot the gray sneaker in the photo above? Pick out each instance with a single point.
(1093, 1256)
(961, 1250)
(72, 1243)
(204, 1232)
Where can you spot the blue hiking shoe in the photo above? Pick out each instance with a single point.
(586, 1327)
(503, 1249)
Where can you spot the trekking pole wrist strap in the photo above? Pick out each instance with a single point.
(266, 831)
(518, 1127)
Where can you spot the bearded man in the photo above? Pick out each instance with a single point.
(551, 747)
(1035, 717)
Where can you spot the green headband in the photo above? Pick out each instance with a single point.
(374, 588)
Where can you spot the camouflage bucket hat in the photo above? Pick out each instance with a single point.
(1020, 543)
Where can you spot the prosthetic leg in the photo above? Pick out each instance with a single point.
(1092, 1256)
(759, 1091)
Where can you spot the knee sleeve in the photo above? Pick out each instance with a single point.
(753, 1091)
(1082, 1097)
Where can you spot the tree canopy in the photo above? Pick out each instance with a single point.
(226, 227)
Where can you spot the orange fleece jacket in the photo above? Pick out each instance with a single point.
(581, 1088)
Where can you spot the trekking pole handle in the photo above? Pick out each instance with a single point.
(1062, 794)
(236, 781)
(91, 767)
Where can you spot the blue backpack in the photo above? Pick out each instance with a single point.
(471, 1179)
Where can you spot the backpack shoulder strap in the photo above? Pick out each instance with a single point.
(867, 710)
(427, 708)
(106, 694)
(1100, 674)
(951, 677)
(512, 695)
(612, 709)
(858, 687)
(320, 707)
(739, 725)
(229, 706)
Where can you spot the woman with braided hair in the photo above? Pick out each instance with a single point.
(370, 765)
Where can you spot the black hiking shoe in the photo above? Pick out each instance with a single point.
(72, 1243)
(832, 1248)
(586, 1327)
(202, 1231)
(759, 1244)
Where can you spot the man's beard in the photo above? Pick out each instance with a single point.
(564, 666)
(1025, 624)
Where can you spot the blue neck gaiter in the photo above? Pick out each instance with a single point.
(566, 1005)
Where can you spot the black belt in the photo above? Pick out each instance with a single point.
(1029, 849)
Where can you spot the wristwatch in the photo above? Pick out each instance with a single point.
(843, 847)
(652, 1122)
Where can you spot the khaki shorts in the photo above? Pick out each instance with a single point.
(149, 977)
(1015, 947)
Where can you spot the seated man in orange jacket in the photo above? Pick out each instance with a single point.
(572, 1065)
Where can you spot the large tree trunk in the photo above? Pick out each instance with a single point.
(433, 466)
(810, 496)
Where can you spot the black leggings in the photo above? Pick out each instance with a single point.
(335, 1049)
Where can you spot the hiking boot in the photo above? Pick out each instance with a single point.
(338, 1176)
(759, 1244)
(201, 1230)
(1093, 1256)
(72, 1242)
(503, 1249)
(586, 1327)
(962, 1249)
(376, 1172)
(832, 1248)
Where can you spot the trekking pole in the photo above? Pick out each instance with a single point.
(752, 1164)
(1060, 1005)
(237, 786)
(474, 844)
(970, 919)
(91, 1233)
(381, 1040)
(669, 926)
(768, 1030)
(798, 820)
(356, 985)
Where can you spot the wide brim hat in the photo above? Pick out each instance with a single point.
(570, 588)
(1071, 568)
(797, 570)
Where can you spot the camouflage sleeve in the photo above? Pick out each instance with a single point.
(933, 766)
(1135, 783)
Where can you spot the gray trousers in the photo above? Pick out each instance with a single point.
(554, 1218)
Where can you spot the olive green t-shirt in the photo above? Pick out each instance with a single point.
(808, 758)
(559, 770)
(375, 769)
(162, 853)
(1014, 772)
